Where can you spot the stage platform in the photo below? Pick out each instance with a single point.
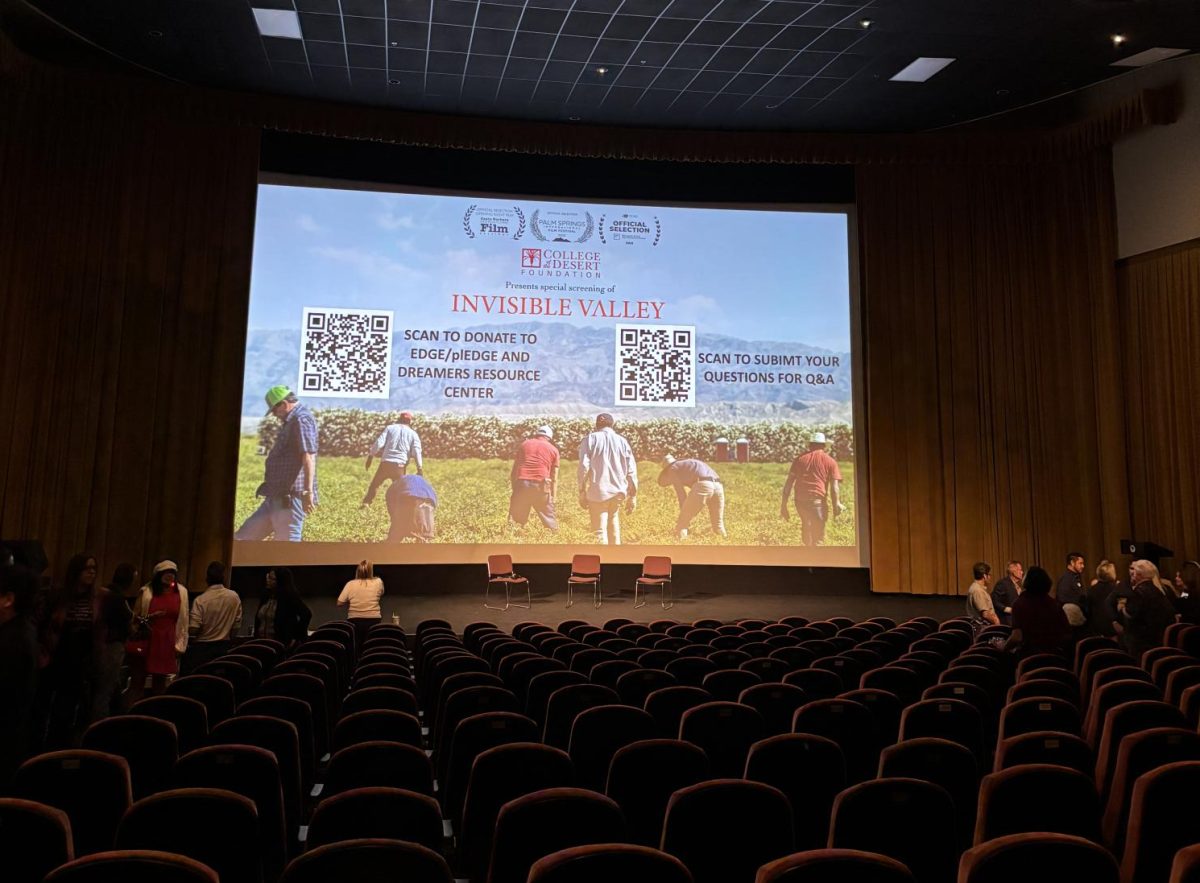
(462, 608)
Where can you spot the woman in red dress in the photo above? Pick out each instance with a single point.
(164, 603)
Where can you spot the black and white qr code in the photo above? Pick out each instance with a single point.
(656, 365)
(346, 353)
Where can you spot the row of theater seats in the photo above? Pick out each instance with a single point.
(705, 752)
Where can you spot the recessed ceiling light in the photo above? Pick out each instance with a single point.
(393, 82)
(395, 42)
(601, 71)
(865, 22)
(278, 23)
(1001, 92)
(573, 119)
(156, 34)
(921, 70)
(772, 106)
(1149, 56)
(1118, 39)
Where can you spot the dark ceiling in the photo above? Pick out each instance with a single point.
(735, 64)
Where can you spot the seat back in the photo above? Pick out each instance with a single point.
(390, 813)
(1139, 753)
(473, 736)
(34, 839)
(777, 703)
(1039, 714)
(91, 787)
(214, 693)
(668, 705)
(149, 745)
(134, 866)
(724, 731)
(656, 567)
(386, 764)
(1157, 828)
(944, 763)
(849, 724)
(950, 719)
(1037, 858)
(1061, 749)
(369, 861)
(810, 771)
(538, 824)
(188, 716)
(642, 777)
(500, 565)
(566, 702)
(299, 715)
(1037, 797)
(1123, 720)
(585, 565)
(834, 866)
(598, 733)
(604, 862)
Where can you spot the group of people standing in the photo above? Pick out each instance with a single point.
(1049, 615)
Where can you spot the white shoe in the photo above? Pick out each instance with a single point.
(681, 534)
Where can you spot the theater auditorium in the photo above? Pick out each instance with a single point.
(577, 441)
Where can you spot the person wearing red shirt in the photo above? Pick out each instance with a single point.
(534, 479)
(814, 475)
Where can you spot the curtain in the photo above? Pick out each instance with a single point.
(1160, 311)
(993, 393)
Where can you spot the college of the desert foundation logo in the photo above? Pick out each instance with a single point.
(531, 258)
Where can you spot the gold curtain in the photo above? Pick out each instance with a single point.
(993, 394)
(1160, 312)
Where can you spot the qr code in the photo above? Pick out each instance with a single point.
(346, 353)
(656, 365)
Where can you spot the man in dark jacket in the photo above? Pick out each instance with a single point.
(1070, 585)
(18, 666)
(1006, 592)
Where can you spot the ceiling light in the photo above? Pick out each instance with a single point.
(156, 34)
(393, 82)
(573, 119)
(1149, 56)
(601, 71)
(1118, 39)
(865, 23)
(921, 70)
(278, 23)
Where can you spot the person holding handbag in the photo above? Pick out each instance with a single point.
(116, 612)
(163, 602)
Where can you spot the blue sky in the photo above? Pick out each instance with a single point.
(759, 275)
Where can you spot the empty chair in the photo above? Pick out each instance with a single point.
(377, 726)
(606, 674)
(810, 771)
(834, 866)
(656, 573)
(657, 658)
(299, 715)
(472, 737)
(543, 686)
(1162, 820)
(309, 690)
(133, 866)
(525, 671)
(724, 830)
(724, 731)
(585, 572)
(848, 669)
(189, 717)
(885, 709)
(1037, 661)
(1045, 689)
(815, 682)
(585, 660)
(943, 763)
(668, 705)
(605, 862)
(215, 694)
(1186, 867)
(149, 745)
(723, 659)
(278, 737)
(769, 671)
(634, 686)
(538, 824)
(1038, 714)
(91, 787)
(1037, 797)
(794, 657)
(987, 679)
(1127, 718)
(390, 813)
(901, 682)
(905, 819)
(386, 764)
(368, 861)
(1084, 646)
(1178, 681)
(950, 719)
(728, 685)
(462, 705)
(499, 775)
(253, 773)
(598, 733)
(691, 670)
(502, 574)
(1162, 669)
(1096, 661)
(643, 776)
(1037, 858)
(212, 826)
(565, 703)
(1108, 697)
(375, 698)
(1061, 749)
(850, 725)
(34, 839)
(1138, 754)
(777, 703)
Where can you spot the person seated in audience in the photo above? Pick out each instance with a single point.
(18, 666)
(116, 610)
(1039, 623)
(980, 609)
(1146, 612)
(1099, 601)
(215, 618)
(1187, 593)
(164, 604)
(361, 596)
(282, 613)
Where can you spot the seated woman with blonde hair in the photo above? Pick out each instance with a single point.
(362, 594)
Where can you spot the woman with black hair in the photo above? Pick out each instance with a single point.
(282, 613)
(163, 604)
(116, 614)
(1038, 622)
(1186, 593)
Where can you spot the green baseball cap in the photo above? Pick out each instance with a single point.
(275, 395)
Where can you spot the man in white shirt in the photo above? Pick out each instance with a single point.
(607, 477)
(396, 446)
(979, 599)
(215, 618)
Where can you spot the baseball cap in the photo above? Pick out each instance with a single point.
(275, 395)
(818, 438)
(546, 431)
(165, 565)
(667, 460)
(406, 415)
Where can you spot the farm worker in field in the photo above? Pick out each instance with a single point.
(607, 477)
(289, 488)
(534, 479)
(411, 501)
(396, 446)
(697, 486)
(814, 475)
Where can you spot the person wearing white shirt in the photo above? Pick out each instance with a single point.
(607, 477)
(362, 596)
(396, 446)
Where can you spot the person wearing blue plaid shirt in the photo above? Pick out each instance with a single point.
(289, 488)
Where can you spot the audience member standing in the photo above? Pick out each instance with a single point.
(607, 477)
(1100, 601)
(396, 446)
(292, 615)
(1070, 585)
(534, 479)
(1039, 624)
(815, 476)
(117, 616)
(18, 666)
(264, 616)
(697, 486)
(979, 600)
(1006, 592)
(75, 639)
(215, 618)
(362, 595)
(1147, 611)
(164, 603)
(1187, 593)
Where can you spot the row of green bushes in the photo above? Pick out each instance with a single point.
(350, 433)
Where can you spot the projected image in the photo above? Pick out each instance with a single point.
(430, 370)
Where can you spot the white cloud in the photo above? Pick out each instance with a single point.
(695, 310)
(372, 267)
(308, 224)
(389, 220)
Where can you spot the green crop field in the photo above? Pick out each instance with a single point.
(473, 505)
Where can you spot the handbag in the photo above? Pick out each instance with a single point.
(137, 644)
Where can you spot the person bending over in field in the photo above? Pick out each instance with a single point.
(411, 501)
(696, 486)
